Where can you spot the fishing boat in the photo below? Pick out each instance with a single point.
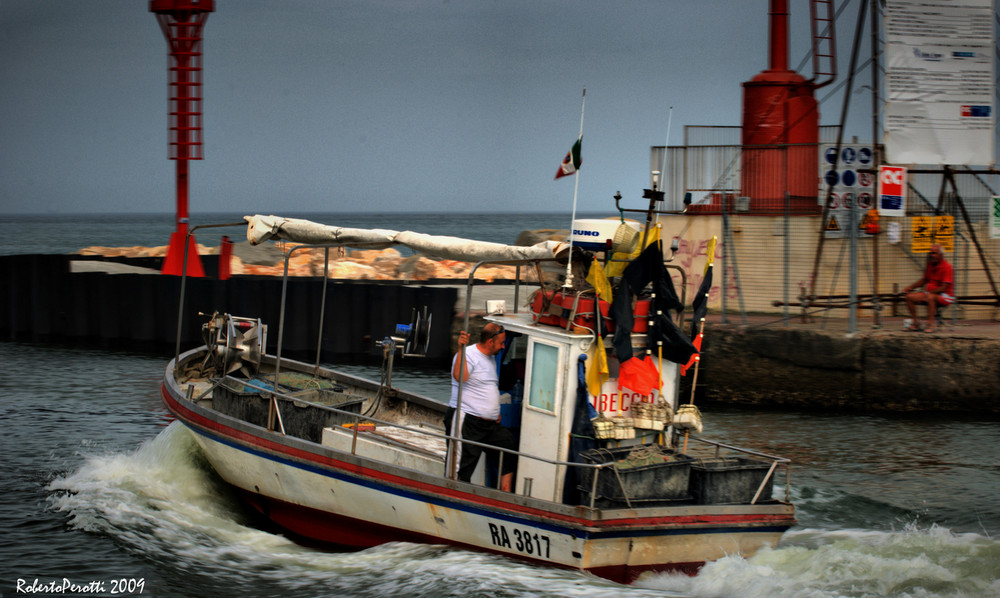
(614, 483)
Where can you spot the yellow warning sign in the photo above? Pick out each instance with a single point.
(928, 230)
(832, 224)
(944, 232)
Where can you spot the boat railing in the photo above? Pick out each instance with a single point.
(775, 463)
(362, 418)
(452, 460)
(326, 264)
(284, 290)
(355, 420)
(184, 275)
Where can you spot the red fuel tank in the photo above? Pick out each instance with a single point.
(780, 128)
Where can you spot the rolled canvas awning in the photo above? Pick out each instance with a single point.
(263, 228)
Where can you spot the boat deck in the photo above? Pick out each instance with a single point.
(410, 439)
(415, 448)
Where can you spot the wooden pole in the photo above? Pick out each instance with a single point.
(701, 328)
(694, 380)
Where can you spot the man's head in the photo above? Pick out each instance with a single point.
(491, 338)
(936, 254)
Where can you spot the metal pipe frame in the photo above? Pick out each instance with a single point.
(180, 303)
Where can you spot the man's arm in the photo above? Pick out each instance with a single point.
(916, 285)
(460, 362)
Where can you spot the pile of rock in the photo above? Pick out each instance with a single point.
(345, 264)
(137, 251)
(386, 264)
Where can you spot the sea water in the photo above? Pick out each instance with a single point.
(103, 491)
(101, 486)
(68, 233)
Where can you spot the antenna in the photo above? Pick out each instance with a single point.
(576, 186)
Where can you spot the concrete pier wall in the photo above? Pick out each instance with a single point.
(880, 370)
(43, 301)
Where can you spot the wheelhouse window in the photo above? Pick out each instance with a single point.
(543, 377)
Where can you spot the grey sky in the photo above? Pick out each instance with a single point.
(412, 105)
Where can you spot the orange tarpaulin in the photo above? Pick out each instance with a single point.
(639, 375)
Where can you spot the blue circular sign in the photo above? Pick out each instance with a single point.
(832, 177)
(830, 155)
(849, 178)
(865, 155)
(848, 154)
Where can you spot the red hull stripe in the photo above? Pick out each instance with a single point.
(403, 487)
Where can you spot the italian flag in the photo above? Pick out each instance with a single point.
(571, 163)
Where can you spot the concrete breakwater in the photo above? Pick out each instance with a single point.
(801, 366)
(43, 300)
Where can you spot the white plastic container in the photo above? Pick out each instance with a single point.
(595, 234)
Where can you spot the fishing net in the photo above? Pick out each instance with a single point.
(643, 456)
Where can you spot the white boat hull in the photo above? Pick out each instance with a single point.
(333, 497)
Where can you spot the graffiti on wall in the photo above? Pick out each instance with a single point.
(691, 255)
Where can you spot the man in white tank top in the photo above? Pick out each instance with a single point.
(480, 401)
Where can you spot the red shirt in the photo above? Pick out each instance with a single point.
(939, 277)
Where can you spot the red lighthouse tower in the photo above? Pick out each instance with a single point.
(781, 117)
(181, 22)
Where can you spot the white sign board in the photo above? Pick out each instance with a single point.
(848, 187)
(940, 82)
(891, 190)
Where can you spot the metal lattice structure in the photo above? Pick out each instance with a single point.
(181, 22)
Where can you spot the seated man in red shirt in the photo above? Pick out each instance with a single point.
(938, 283)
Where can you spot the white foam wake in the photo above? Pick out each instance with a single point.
(162, 503)
(910, 563)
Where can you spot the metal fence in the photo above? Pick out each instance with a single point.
(791, 266)
(790, 258)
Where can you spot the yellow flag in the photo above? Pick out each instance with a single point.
(711, 254)
(653, 236)
(598, 280)
(597, 368)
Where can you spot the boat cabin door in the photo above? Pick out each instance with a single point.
(547, 412)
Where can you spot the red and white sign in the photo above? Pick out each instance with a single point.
(892, 190)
